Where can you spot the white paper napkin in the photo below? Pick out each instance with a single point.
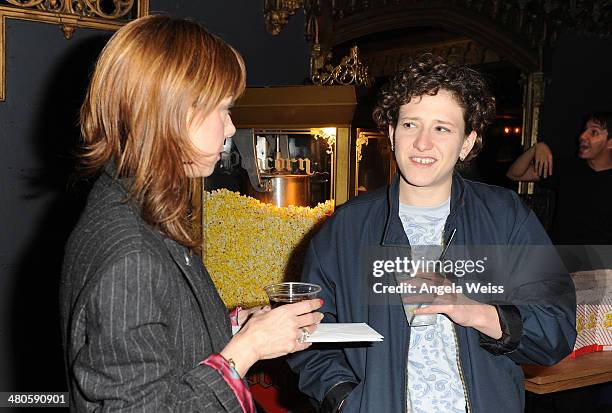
(343, 332)
(339, 333)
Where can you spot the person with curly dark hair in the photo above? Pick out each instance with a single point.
(459, 353)
(429, 75)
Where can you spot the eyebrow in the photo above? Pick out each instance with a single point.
(445, 122)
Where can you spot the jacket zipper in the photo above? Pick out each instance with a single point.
(406, 399)
(460, 367)
(458, 352)
(406, 350)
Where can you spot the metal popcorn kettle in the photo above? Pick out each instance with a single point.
(280, 179)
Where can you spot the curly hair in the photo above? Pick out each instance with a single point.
(426, 75)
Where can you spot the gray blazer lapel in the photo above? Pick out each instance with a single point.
(211, 306)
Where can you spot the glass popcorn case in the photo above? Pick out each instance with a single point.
(286, 167)
(373, 163)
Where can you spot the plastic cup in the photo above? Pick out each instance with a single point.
(422, 320)
(291, 292)
(414, 301)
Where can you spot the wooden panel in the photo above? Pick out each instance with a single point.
(585, 370)
(295, 106)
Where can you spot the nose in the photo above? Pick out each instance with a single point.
(423, 141)
(584, 136)
(230, 129)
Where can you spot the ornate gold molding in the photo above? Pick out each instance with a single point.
(69, 14)
(278, 12)
(462, 51)
(350, 71)
(328, 135)
(363, 138)
(84, 8)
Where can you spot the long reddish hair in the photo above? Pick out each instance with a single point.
(147, 78)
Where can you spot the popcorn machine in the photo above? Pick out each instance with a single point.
(291, 146)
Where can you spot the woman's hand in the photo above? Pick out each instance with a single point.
(276, 332)
(273, 333)
(245, 313)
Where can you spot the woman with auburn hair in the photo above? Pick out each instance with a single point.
(144, 328)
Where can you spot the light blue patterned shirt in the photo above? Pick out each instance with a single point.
(434, 382)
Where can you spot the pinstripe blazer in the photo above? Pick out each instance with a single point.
(138, 315)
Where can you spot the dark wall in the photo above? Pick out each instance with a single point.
(270, 60)
(581, 83)
(46, 76)
(38, 118)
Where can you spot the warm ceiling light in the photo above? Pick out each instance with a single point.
(506, 130)
(517, 130)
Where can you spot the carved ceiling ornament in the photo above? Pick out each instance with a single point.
(106, 9)
(536, 21)
(462, 51)
(278, 12)
(350, 71)
(526, 26)
(68, 14)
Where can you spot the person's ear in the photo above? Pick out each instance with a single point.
(392, 137)
(468, 144)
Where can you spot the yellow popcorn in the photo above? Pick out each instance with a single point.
(579, 324)
(592, 322)
(607, 323)
(250, 244)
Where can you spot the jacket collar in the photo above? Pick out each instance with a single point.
(109, 172)
(202, 288)
(109, 178)
(394, 235)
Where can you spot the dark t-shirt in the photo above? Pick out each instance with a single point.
(584, 203)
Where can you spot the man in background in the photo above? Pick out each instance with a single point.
(583, 184)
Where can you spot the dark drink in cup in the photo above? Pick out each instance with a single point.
(291, 292)
(277, 302)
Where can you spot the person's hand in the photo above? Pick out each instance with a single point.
(422, 287)
(273, 333)
(277, 332)
(543, 160)
(245, 313)
(467, 313)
